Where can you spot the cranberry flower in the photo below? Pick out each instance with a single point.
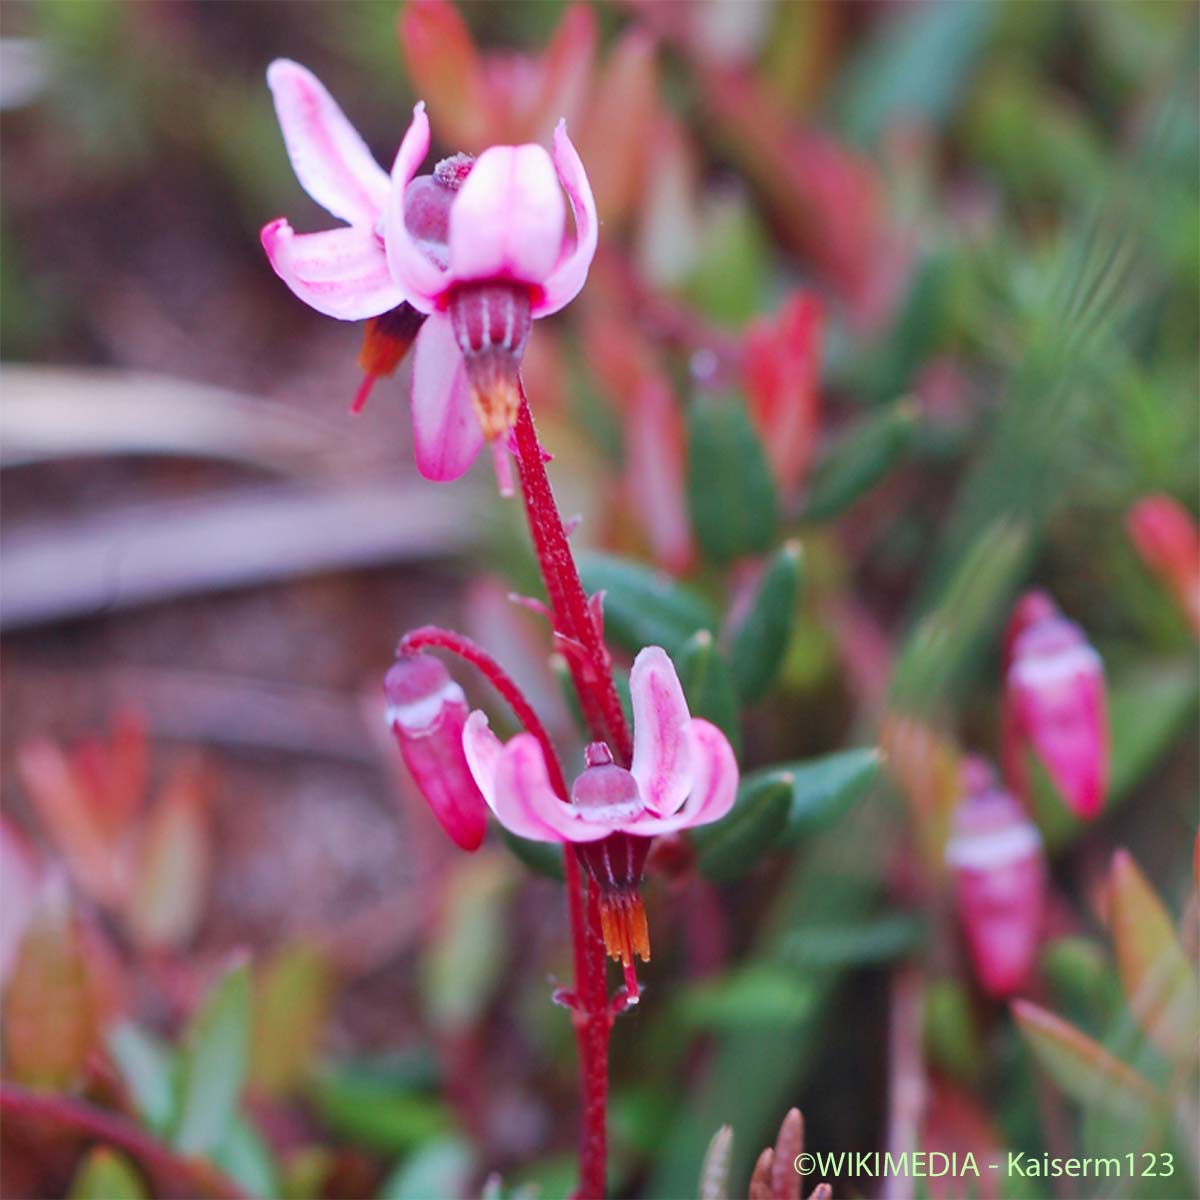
(467, 255)
(683, 774)
(1055, 706)
(998, 866)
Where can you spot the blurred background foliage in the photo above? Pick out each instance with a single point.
(895, 313)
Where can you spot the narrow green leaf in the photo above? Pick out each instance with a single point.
(643, 607)
(822, 788)
(708, 685)
(291, 1005)
(442, 1168)
(761, 640)
(368, 1108)
(876, 940)
(727, 283)
(861, 459)
(730, 490)
(1081, 1066)
(149, 1069)
(545, 858)
(714, 1171)
(106, 1175)
(245, 1157)
(731, 847)
(214, 1065)
(756, 996)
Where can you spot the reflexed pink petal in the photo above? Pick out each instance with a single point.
(508, 219)
(331, 161)
(446, 433)
(714, 790)
(525, 803)
(421, 280)
(482, 748)
(662, 747)
(341, 272)
(564, 283)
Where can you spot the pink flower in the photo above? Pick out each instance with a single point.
(426, 712)
(1165, 535)
(683, 774)
(479, 248)
(998, 867)
(1055, 706)
(505, 257)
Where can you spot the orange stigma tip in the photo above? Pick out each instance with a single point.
(364, 390)
(623, 923)
(496, 405)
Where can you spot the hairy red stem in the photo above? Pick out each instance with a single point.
(591, 673)
(193, 1175)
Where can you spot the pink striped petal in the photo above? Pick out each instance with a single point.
(525, 803)
(331, 161)
(715, 788)
(662, 747)
(446, 432)
(422, 280)
(342, 273)
(508, 220)
(564, 282)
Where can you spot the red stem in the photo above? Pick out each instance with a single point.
(591, 672)
(193, 1175)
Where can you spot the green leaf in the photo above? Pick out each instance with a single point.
(1081, 1066)
(369, 1107)
(760, 643)
(851, 945)
(861, 459)
(214, 1065)
(914, 65)
(244, 1156)
(643, 607)
(730, 490)
(727, 283)
(755, 996)
(546, 858)
(291, 1005)
(732, 846)
(708, 685)
(149, 1070)
(106, 1175)
(822, 788)
(442, 1168)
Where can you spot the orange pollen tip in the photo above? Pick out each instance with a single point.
(623, 923)
(496, 398)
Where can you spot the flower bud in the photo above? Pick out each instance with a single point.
(1165, 535)
(1055, 708)
(998, 869)
(426, 712)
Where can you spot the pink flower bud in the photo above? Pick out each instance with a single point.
(1055, 707)
(1166, 537)
(427, 711)
(999, 872)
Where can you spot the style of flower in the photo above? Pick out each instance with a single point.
(998, 867)
(460, 261)
(1055, 706)
(683, 774)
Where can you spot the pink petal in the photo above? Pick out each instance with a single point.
(423, 282)
(715, 789)
(446, 433)
(341, 272)
(482, 748)
(331, 161)
(508, 220)
(564, 282)
(662, 750)
(525, 803)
